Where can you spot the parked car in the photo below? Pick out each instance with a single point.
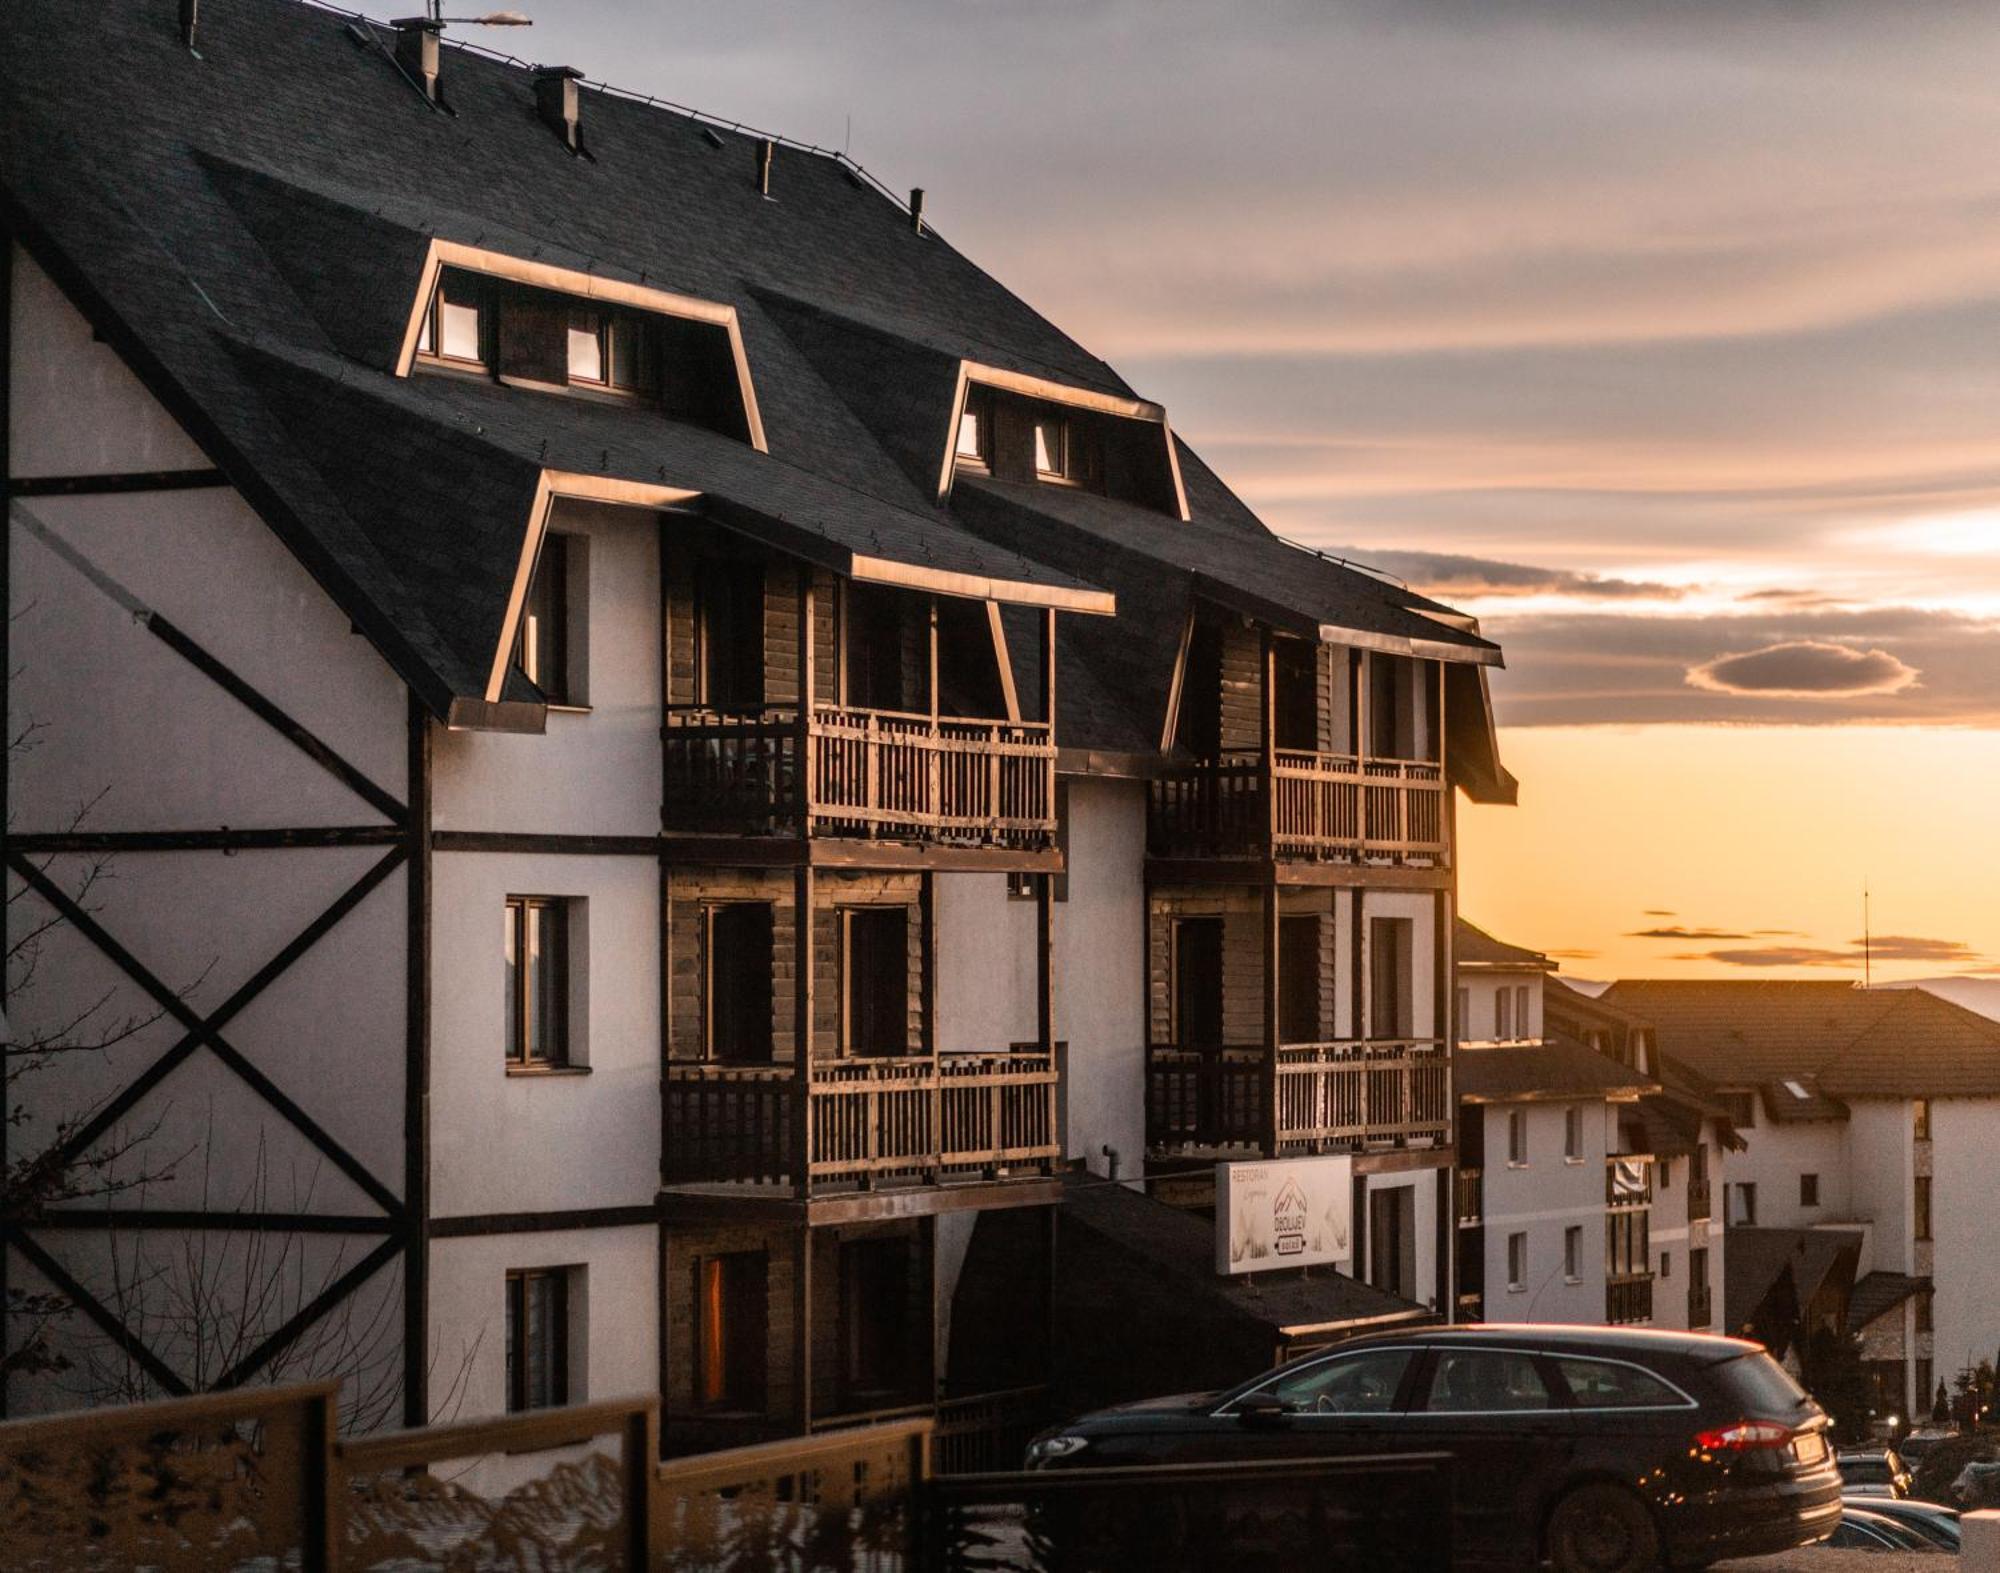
(1875, 1472)
(1938, 1525)
(1978, 1483)
(1860, 1530)
(1605, 1450)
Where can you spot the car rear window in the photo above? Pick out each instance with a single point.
(1871, 1471)
(1611, 1384)
(1762, 1385)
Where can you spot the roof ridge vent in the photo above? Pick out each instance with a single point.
(917, 209)
(418, 54)
(557, 101)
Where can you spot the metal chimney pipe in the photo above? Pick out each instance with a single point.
(556, 98)
(189, 8)
(418, 54)
(917, 209)
(766, 151)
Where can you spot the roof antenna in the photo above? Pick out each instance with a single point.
(190, 10)
(1867, 942)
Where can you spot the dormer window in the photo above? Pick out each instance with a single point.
(975, 430)
(1068, 448)
(549, 648)
(610, 349)
(454, 329)
(1052, 448)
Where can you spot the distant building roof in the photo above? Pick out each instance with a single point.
(1774, 1274)
(1559, 1068)
(1844, 1041)
(1877, 1294)
(1472, 946)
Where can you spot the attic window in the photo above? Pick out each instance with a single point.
(1052, 447)
(1798, 1092)
(454, 329)
(1068, 450)
(975, 429)
(610, 350)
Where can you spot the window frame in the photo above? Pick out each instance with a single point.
(1060, 424)
(1573, 1253)
(1573, 1134)
(1399, 1401)
(606, 327)
(559, 562)
(1809, 1189)
(728, 1402)
(1683, 1400)
(1517, 1273)
(710, 912)
(517, 1058)
(1517, 1138)
(430, 349)
(518, 1280)
(844, 920)
(1555, 1391)
(978, 410)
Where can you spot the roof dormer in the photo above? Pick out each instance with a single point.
(533, 325)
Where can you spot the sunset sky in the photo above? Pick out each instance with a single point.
(1665, 338)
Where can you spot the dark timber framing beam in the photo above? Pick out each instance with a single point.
(479, 1224)
(207, 1031)
(417, 1075)
(115, 1219)
(123, 482)
(289, 839)
(307, 1314)
(6, 715)
(86, 1302)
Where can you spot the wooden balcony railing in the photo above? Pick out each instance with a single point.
(1628, 1299)
(871, 773)
(1302, 805)
(1701, 1201)
(1471, 1190)
(1330, 1096)
(1628, 1180)
(957, 1116)
(1701, 1306)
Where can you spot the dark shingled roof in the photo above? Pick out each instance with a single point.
(1759, 1259)
(1842, 1042)
(1561, 1068)
(1182, 1247)
(1472, 945)
(1877, 1294)
(247, 227)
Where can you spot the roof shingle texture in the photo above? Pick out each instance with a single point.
(1840, 1041)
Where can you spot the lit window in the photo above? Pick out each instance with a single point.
(537, 1006)
(731, 1298)
(1052, 446)
(542, 648)
(586, 347)
(538, 1338)
(454, 325)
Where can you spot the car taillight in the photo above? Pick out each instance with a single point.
(1744, 1436)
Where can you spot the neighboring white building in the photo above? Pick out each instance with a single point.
(669, 762)
(1875, 1112)
(1584, 1190)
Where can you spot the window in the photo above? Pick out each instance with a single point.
(1517, 1261)
(1742, 1205)
(1628, 1246)
(609, 349)
(729, 633)
(1503, 1014)
(730, 1305)
(1808, 1190)
(1924, 1312)
(1921, 1221)
(542, 649)
(1666, 1264)
(1052, 447)
(1198, 983)
(1392, 1239)
(538, 1338)
(875, 1290)
(537, 1010)
(1573, 1252)
(1517, 1137)
(1921, 1119)
(1698, 1270)
(1356, 1384)
(1742, 1107)
(1487, 1381)
(1573, 1135)
(454, 326)
(975, 428)
(1609, 1384)
(874, 981)
(1464, 1012)
(1389, 978)
(736, 982)
(1298, 980)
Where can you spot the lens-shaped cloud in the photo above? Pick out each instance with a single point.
(1804, 669)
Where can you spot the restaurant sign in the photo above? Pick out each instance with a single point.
(1294, 1213)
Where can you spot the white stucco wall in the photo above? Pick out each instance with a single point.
(1965, 1136)
(1880, 1170)
(1542, 1198)
(1481, 990)
(1774, 1158)
(503, 1143)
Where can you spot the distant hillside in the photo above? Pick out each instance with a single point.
(1980, 994)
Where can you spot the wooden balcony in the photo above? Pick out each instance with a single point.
(1701, 1201)
(870, 775)
(1628, 1180)
(1701, 1306)
(1628, 1299)
(870, 1122)
(1302, 806)
(1331, 1097)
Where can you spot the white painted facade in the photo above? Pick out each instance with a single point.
(1541, 1199)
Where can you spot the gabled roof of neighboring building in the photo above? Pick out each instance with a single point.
(1840, 1041)
(1472, 946)
(1560, 1068)
(249, 228)
(1793, 1264)
(1181, 1246)
(1876, 1294)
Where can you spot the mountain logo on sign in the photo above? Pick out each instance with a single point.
(1288, 1219)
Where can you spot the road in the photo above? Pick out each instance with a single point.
(1817, 1559)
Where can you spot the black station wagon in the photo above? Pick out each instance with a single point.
(1601, 1450)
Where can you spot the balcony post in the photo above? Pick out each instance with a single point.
(806, 766)
(1269, 1134)
(802, 1028)
(927, 1011)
